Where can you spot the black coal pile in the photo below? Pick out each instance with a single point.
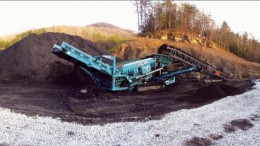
(31, 59)
(214, 91)
(211, 91)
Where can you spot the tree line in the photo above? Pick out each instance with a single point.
(154, 16)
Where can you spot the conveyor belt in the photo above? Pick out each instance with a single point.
(188, 59)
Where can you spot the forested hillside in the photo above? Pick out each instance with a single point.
(154, 17)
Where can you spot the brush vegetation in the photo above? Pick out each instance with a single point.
(103, 36)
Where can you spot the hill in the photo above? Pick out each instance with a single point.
(187, 18)
(111, 29)
(103, 24)
(104, 35)
(238, 67)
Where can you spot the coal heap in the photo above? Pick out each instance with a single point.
(31, 59)
(213, 92)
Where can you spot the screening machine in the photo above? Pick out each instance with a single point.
(152, 72)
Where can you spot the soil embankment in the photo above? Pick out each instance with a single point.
(31, 59)
(238, 67)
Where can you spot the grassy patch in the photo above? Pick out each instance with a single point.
(101, 38)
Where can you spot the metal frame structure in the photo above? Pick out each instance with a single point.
(150, 72)
(189, 60)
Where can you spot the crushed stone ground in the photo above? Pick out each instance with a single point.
(173, 129)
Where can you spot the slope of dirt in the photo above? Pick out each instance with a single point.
(238, 67)
(31, 58)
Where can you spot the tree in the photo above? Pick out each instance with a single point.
(142, 9)
(165, 14)
(224, 35)
(159, 16)
(189, 12)
(169, 8)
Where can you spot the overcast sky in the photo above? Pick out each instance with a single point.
(20, 16)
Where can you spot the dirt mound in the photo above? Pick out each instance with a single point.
(31, 58)
(213, 91)
(198, 141)
(243, 124)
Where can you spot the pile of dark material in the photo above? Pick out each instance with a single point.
(216, 91)
(31, 59)
(219, 90)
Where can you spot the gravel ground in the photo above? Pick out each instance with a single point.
(175, 128)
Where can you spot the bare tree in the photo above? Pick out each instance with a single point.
(142, 9)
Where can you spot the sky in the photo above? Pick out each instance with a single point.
(241, 16)
(19, 16)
